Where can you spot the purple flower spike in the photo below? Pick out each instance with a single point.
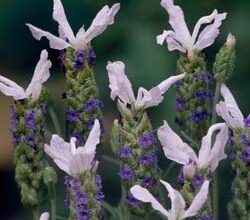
(13, 118)
(246, 154)
(67, 201)
(198, 116)
(84, 215)
(72, 115)
(203, 94)
(16, 138)
(81, 198)
(99, 196)
(30, 140)
(146, 140)
(125, 152)
(180, 104)
(206, 77)
(181, 177)
(126, 173)
(197, 180)
(80, 57)
(148, 181)
(93, 104)
(177, 85)
(98, 181)
(132, 201)
(247, 122)
(92, 56)
(30, 120)
(148, 159)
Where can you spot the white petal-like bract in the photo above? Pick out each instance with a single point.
(174, 148)
(41, 75)
(229, 110)
(103, 19)
(142, 194)
(44, 216)
(119, 83)
(70, 159)
(10, 88)
(122, 89)
(180, 38)
(198, 201)
(178, 204)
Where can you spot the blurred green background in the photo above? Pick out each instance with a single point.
(132, 40)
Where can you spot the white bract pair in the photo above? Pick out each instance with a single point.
(121, 87)
(229, 110)
(209, 156)
(180, 38)
(178, 206)
(70, 159)
(41, 75)
(66, 38)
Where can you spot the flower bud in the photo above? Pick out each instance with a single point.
(225, 60)
(49, 175)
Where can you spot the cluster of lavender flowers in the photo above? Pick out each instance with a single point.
(132, 138)
(27, 126)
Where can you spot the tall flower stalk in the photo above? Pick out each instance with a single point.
(134, 136)
(78, 58)
(196, 169)
(194, 95)
(228, 109)
(27, 127)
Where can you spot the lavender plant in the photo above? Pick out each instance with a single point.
(133, 139)
(78, 57)
(194, 94)
(85, 196)
(134, 136)
(196, 169)
(33, 172)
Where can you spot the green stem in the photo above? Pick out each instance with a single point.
(55, 121)
(52, 195)
(36, 213)
(215, 190)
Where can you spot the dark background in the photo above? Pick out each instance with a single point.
(132, 40)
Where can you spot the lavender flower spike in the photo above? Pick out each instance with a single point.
(209, 157)
(180, 38)
(41, 75)
(177, 211)
(103, 19)
(70, 159)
